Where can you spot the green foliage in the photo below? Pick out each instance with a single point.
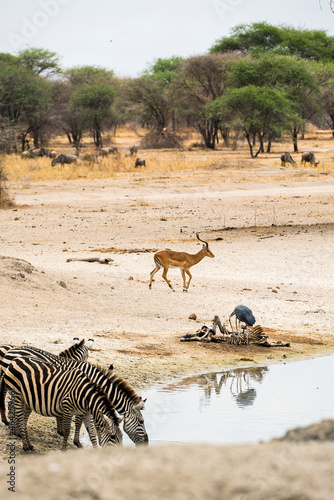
(89, 75)
(39, 61)
(94, 100)
(165, 70)
(257, 111)
(286, 40)
(23, 95)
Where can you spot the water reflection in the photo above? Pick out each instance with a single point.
(243, 404)
(240, 382)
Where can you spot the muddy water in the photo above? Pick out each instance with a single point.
(241, 405)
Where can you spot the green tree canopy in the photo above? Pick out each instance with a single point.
(39, 61)
(259, 112)
(286, 40)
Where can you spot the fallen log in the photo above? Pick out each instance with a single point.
(100, 260)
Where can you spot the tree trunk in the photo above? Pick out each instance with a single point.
(270, 138)
(294, 139)
(250, 143)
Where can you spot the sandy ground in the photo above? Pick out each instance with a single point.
(273, 246)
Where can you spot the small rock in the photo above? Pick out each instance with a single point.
(274, 290)
(193, 316)
(63, 284)
(130, 278)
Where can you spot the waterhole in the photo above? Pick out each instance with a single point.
(243, 405)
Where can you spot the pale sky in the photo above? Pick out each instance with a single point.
(79, 31)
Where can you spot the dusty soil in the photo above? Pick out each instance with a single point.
(271, 230)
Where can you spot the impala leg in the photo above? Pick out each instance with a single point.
(190, 276)
(155, 270)
(184, 280)
(164, 275)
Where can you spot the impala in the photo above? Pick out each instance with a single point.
(184, 261)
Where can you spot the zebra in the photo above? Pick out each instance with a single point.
(57, 391)
(79, 351)
(126, 401)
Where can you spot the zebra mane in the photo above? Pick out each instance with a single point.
(112, 411)
(121, 384)
(67, 352)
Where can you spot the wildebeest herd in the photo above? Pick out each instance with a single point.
(93, 157)
(66, 386)
(308, 157)
(90, 157)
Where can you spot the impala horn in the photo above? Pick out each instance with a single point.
(205, 242)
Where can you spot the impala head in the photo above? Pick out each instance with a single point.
(205, 246)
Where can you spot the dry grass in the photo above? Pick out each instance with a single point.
(237, 166)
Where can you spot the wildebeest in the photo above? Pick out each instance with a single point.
(39, 152)
(309, 158)
(140, 163)
(62, 159)
(27, 154)
(287, 158)
(90, 157)
(133, 150)
(53, 154)
(34, 153)
(107, 151)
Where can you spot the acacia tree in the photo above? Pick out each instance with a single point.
(92, 94)
(24, 100)
(202, 79)
(262, 37)
(296, 78)
(152, 91)
(258, 112)
(40, 61)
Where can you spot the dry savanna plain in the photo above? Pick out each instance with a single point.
(271, 230)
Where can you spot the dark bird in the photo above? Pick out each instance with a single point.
(243, 314)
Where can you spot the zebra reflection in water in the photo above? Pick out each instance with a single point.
(240, 384)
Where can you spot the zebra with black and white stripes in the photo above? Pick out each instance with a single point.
(126, 401)
(79, 351)
(56, 391)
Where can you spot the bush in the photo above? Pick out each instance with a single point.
(157, 139)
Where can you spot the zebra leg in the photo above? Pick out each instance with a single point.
(90, 427)
(67, 418)
(59, 425)
(78, 423)
(22, 413)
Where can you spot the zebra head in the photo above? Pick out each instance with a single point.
(134, 424)
(109, 432)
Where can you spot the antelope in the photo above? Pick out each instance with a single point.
(184, 261)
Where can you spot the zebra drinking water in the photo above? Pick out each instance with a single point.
(126, 401)
(56, 391)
